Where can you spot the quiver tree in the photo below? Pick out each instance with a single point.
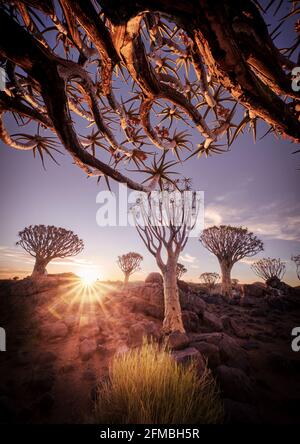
(129, 264)
(296, 259)
(184, 65)
(269, 269)
(230, 245)
(209, 279)
(46, 243)
(180, 270)
(164, 221)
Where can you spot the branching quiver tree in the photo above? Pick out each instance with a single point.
(209, 279)
(269, 268)
(143, 67)
(230, 245)
(296, 259)
(129, 264)
(164, 221)
(180, 270)
(46, 243)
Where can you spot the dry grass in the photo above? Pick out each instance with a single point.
(147, 386)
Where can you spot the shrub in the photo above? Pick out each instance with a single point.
(147, 386)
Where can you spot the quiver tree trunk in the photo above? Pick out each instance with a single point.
(173, 318)
(40, 267)
(226, 279)
(126, 278)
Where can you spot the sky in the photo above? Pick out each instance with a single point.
(254, 185)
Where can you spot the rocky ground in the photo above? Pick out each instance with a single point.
(61, 338)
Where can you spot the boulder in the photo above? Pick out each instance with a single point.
(234, 384)
(87, 348)
(54, 330)
(210, 352)
(137, 332)
(231, 326)
(42, 380)
(256, 290)
(192, 302)
(89, 333)
(188, 355)
(212, 322)
(46, 357)
(154, 278)
(190, 320)
(178, 341)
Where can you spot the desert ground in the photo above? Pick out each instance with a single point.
(62, 336)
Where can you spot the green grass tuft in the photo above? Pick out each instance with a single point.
(147, 386)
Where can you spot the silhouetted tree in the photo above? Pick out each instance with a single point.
(46, 243)
(269, 268)
(176, 61)
(209, 279)
(129, 264)
(230, 245)
(180, 270)
(296, 259)
(164, 221)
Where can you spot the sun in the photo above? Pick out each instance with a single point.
(88, 277)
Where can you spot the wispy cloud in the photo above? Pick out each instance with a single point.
(188, 258)
(274, 221)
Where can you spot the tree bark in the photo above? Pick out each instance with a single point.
(126, 278)
(226, 279)
(39, 268)
(173, 318)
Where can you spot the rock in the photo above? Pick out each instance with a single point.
(188, 355)
(234, 384)
(154, 278)
(216, 299)
(191, 302)
(212, 321)
(232, 354)
(256, 290)
(71, 321)
(46, 357)
(23, 358)
(251, 345)
(178, 341)
(89, 375)
(210, 352)
(55, 330)
(87, 348)
(138, 305)
(231, 326)
(240, 413)
(42, 380)
(137, 332)
(135, 335)
(190, 320)
(89, 333)
(68, 368)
